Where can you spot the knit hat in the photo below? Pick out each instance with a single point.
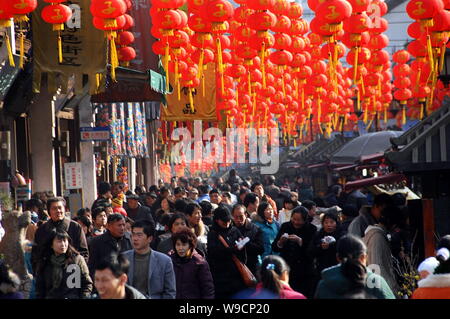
(118, 201)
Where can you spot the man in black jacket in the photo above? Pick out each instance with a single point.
(136, 211)
(114, 241)
(56, 208)
(292, 242)
(255, 246)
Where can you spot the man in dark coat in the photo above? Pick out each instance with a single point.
(292, 242)
(227, 279)
(136, 211)
(58, 221)
(114, 241)
(255, 246)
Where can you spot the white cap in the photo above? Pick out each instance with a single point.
(429, 265)
(444, 252)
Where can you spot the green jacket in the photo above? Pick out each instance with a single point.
(334, 285)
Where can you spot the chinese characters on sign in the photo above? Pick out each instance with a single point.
(95, 133)
(73, 175)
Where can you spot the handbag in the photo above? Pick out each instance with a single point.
(246, 275)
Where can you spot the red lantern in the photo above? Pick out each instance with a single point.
(417, 49)
(295, 10)
(126, 54)
(379, 26)
(125, 38)
(357, 23)
(378, 42)
(20, 8)
(129, 22)
(57, 15)
(281, 57)
(218, 11)
(402, 82)
(403, 95)
(359, 6)
(401, 57)
(241, 14)
(199, 24)
(106, 25)
(401, 70)
(262, 21)
(282, 41)
(260, 4)
(424, 11)
(108, 9)
(283, 24)
(5, 15)
(167, 21)
(334, 12)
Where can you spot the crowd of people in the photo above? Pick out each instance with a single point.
(221, 239)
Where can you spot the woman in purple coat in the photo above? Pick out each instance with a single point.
(193, 277)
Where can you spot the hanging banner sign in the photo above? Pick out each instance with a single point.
(73, 175)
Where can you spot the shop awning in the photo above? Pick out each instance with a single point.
(390, 178)
(426, 146)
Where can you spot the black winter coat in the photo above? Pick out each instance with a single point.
(141, 213)
(324, 258)
(255, 246)
(44, 281)
(43, 234)
(227, 279)
(103, 246)
(296, 256)
(193, 277)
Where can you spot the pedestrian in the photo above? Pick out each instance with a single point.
(292, 243)
(347, 215)
(9, 283)
(251, 203)
(271, 189)
(104, 194)
(378, 246)
(313, 214)
(369, 215)
(350, 276)
(150, 271)
(227, 279)
(56, 206)
(436, 285)
(192, 273)
(323, 245)
(111, 279)
(86, 225)
(114, 240)
(193, 194)
(149, 201)
(284, 215)
(177, 221)
(55, 268)
(193, 213)
(255, 247)
(207, 213)
(265, 220)
(333, 198)
(99, 218)
(258, 189)
(136, 211)
(274, 275)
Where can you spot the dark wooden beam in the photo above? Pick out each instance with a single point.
(428, 227)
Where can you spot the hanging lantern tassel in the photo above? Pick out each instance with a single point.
(22, 49)
(404, 114)
(220, 64)
(166, 64)
(114, 59)
(237, 97)
(283, 86)
(358, 100)
(385, 114)
(319, 114)
(191, 100)
(10, 55)
(442, 58)
(249, 84)
(430, 53)
(263, 66)
(303, 98)
(355, 65)
(203, 85)
(177, 80)
(60, 56)
(200, 63)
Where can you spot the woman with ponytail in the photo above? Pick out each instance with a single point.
(351, 278)
(274, 275)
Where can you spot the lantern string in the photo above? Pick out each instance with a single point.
(263, 64)
(355, 65)
(10, 54)
(203, 85)
(60, 56)
(191, 100)
(22, 50)
(166, 64)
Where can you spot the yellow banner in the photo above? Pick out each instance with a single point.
(204, 100)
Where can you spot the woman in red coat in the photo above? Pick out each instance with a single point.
(275, 280)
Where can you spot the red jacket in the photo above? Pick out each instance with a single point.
(433, 287)
(286, 293)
